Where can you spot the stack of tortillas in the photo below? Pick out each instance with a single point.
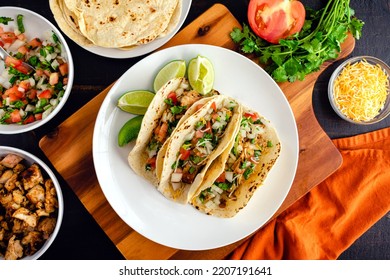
(116, 23)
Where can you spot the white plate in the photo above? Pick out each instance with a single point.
(36, 26)
(142, 49)
(148, 212)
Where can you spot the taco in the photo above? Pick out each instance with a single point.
(235, 175)
(171, 105)
(195, 144)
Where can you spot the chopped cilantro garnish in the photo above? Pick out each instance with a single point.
(196, 159)
(55, 38)
(177, 109)
(5, 20)
(169, 101)
(19, 20)
(223, 186)
(248, 172)
(199, 125)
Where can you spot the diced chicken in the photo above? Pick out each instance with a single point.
(6, 176)
(11, 183)
(18, 197)
(31, 176)
(36, 194)
(41, 212)
(189, 98)
(14, 249)
(4, 225)
(25, 215)
(32, 240)
(51, 203)
(19, 168)
(11, 160)
(19, 227)
(47, 226)
(2, 233)
(5, 199)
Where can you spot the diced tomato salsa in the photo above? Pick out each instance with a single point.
(27, 96)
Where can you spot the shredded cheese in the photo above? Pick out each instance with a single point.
(360, 91)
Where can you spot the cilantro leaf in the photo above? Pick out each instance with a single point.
(5, 20)
(319, 40)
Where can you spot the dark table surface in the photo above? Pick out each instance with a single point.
(81, 238)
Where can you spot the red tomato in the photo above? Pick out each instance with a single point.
(23, 69)
(173, 97)
(23, 50)
(11, 61)
(38, 116)
(221, 178)
(13, 93)
(32, 94)
(252, 116)
(273, 20)
(152, 162)
(15, 116)
(8, 37)
(29, 119)
(36, 42)
(45, 94)
(64, 70)
(184, 154)
(214, 106)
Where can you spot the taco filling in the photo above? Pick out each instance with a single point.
(178, 102)
(243, 158)
(200, 143)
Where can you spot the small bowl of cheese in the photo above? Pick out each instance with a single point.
(358, 90)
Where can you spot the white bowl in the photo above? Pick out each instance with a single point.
(46, 172)
(373, 61)
(37, 26)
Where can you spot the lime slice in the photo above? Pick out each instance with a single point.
(173, 69)
(135, 102)
(129, 130)
(201, 74)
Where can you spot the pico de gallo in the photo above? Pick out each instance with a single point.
(27, 96)
(200, 143)
(178, 102)
(244, 156)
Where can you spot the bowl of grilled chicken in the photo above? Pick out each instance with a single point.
(31, 205)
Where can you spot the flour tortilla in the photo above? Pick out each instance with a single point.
(68, 23)
(184, 194)
(138, 156)
(246, 189)
(117, 24)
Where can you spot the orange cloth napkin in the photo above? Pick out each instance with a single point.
(328, 219)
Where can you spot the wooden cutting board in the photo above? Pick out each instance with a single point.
(69, 148)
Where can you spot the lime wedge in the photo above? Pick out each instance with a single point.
(129, 130)
(173, 69)
(201, 74)
(135, 102)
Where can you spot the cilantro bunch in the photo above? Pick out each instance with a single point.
(319, 40)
